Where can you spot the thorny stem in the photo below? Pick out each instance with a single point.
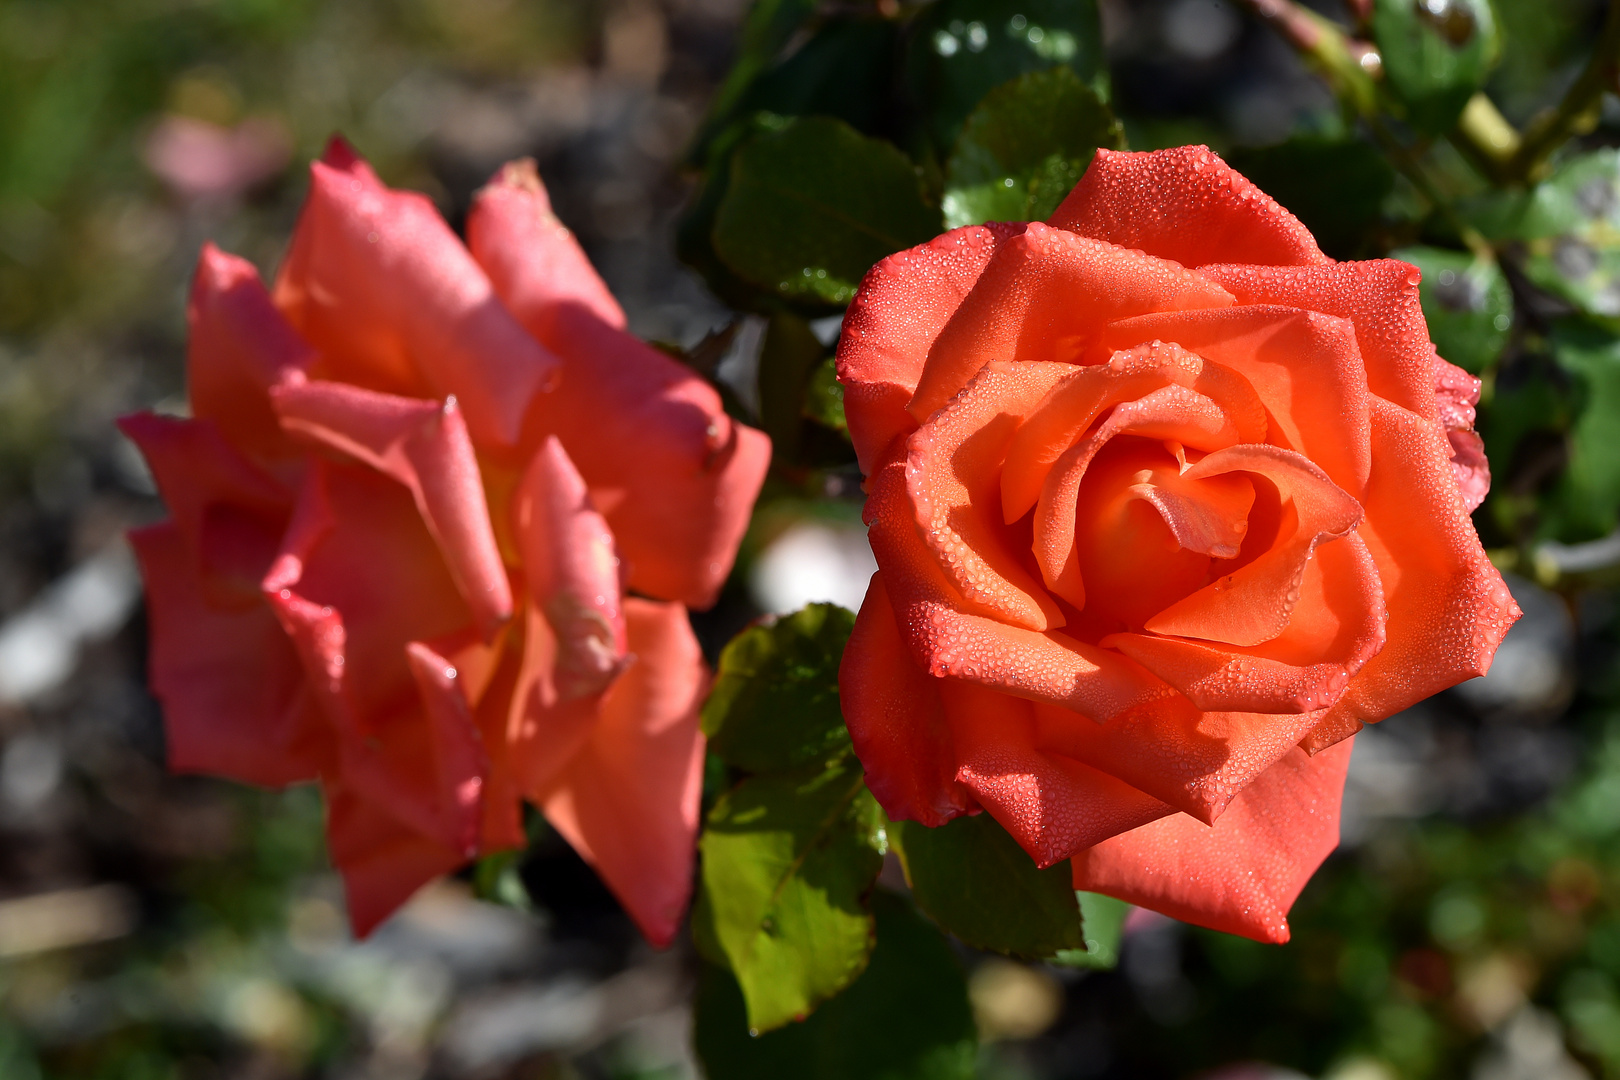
(1578, 112)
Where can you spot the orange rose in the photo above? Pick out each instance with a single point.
(1166, 504)
(416, 485)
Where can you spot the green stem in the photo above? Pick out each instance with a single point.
(1578, 112)
(1349, 67)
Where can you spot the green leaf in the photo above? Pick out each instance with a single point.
(962, 49)
(845, 70)
(1336, 187)
(973, 879)
(906, 1018)
(1467, 303)
(1435, 60)
(1025, 147)
(770, 25)
(1572, 225)
(824, 398)
(774, 706)
(496, 878)
(1589, 492)
(694, 232)
(1104, 920)
(787, 862)
(810, 208)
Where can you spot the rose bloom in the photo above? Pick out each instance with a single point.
(437, 519)
(1166, 505)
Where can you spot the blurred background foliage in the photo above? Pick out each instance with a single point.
(163, 927)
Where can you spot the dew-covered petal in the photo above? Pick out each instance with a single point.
(1063, 530)
(1046, 294)
(1255, 602)
(903, 303)
(1456, 393)
(1242, 874)
(1074, 404)
(1448, 606)
(1184, 204)
(953, 474)
(1305, 367)
(896, 719)
(945, 640)
(1052, 805)
(628, 801)
(238, 346)
(1378, 296)
(1195, 761)
(1338, 625)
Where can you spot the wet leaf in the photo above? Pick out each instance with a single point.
(1103, 921)
(811, 207)
(1025, 147)
(788, 860)
(824, 398)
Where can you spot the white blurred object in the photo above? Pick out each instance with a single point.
(814, 561)
(30, 770)
(60, 920)
(39, 646)
(1530, 1046)
(1201, 29)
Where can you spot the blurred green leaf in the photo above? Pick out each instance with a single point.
(1103, 921)
(496, 879)
(1336, 187)
(694, 232)
(962, 49)
(906, 1018)
(824, 398)
(973, 879)
(1467, 303)
(845, 70)
(810, 208)
(774, 706)
(1024, 147)
(1436, 55)
(1571, 223)
(1589, 491)
(770, 25)
(787, 862)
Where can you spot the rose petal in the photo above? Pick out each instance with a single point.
(229, 513)
(1170, 412)
(946, 641)
(457, 747)
(903, 304)
(1195, 761)
(1052, 805)
(237, 347)
(1337, 627)
(533, 260)
(1380, 297)
(1456, 393)
(380, 285)
(674, 475)
(382, 861)
(896, 719)
(1305, 367)
(1184, 204)
(233, 693)
(628, 802)
(1242, 874)
(1254, 603)
(953, 473)
(1045, 295)
(1081, 396)
(1448, 606)
(425, 446)
(572, 572)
